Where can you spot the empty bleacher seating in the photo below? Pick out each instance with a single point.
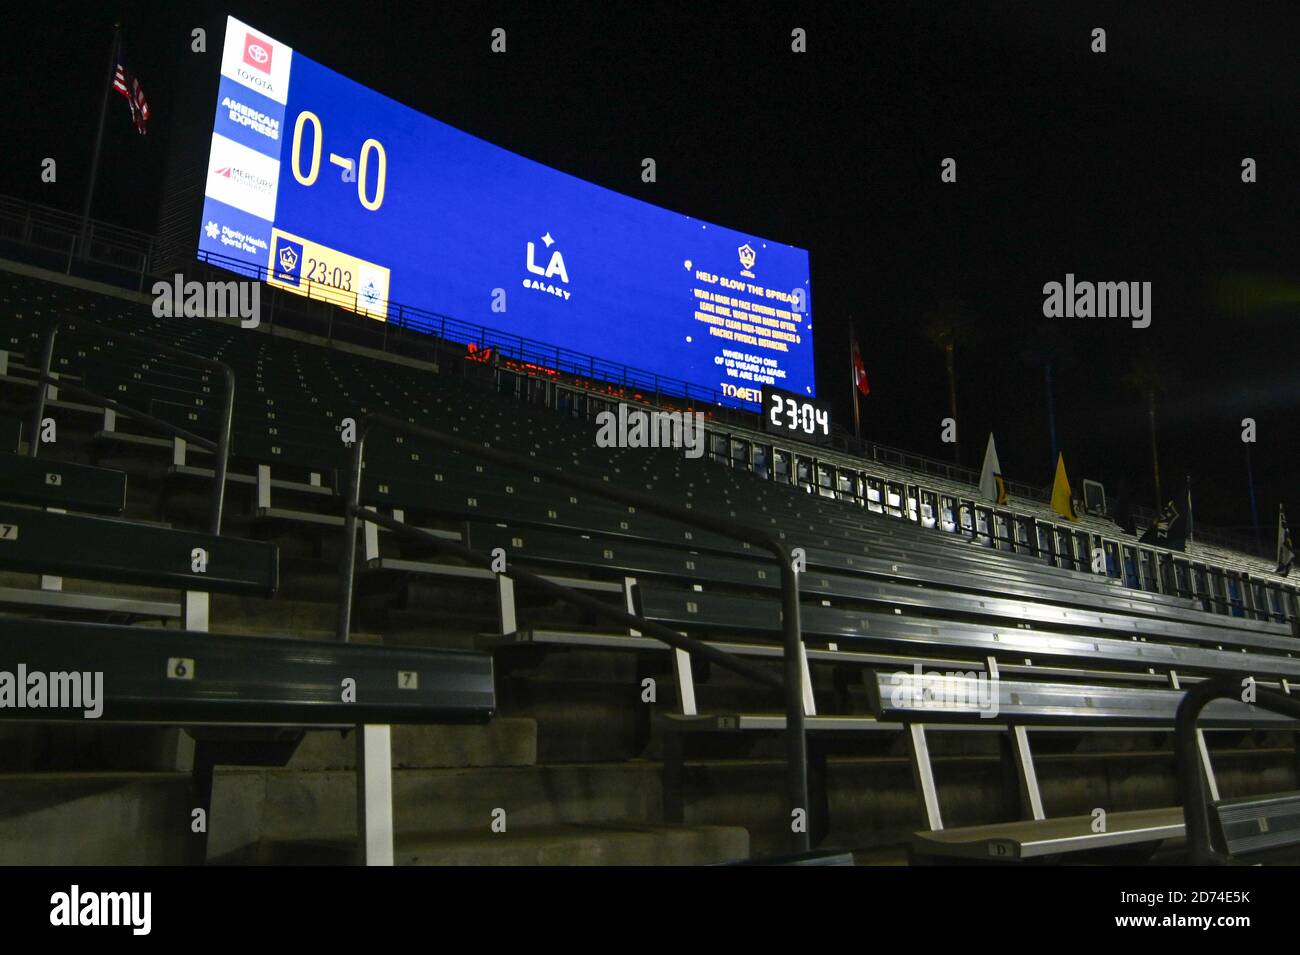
(1070, 654)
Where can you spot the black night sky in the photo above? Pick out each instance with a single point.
(1122, 166)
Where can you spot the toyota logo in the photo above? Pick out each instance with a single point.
(257, 53)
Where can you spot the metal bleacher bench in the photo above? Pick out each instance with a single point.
(1251, 823)
(42, 482)
(248, 699)
(835, 574)
(195, 678)
(128, 552)
(56, 545)
(10, 433)
(873, 639)
(999, 630)
(1257, 824)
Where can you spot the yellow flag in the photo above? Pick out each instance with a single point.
(1062, 502)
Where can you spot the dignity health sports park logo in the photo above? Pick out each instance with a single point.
(235, 238)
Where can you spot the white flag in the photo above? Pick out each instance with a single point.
(1285, 549)
(992, 487)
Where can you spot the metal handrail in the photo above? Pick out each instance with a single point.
(449, 328)
(220, 448)
(796, 741)
(24, 215)
(1191, 776)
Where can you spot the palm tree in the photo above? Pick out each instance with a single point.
(1050, 349)
(1149, 376)
(950, 325)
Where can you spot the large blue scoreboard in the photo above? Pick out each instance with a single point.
(339, 189)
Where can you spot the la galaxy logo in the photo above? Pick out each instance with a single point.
(747, 257)
(289, 255)
(554, 269)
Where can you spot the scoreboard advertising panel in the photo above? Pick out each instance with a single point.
(338, 189)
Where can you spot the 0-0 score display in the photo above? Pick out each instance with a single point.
(332, 190)
(796, 416)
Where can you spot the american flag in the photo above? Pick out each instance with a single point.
(859, 370)
(126, 84)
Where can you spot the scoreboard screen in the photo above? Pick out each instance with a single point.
(343, 192)
(796, 416)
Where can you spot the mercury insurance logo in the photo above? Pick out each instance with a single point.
(243, 177)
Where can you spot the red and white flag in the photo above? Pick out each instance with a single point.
(859, 370)
(127, 85)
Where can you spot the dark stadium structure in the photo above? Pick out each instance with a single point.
(905, 568)
(339, 590)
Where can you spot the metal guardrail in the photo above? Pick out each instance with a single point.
(42, 227)
(796, 740)
(220, 448)
(72, 238)
(1191, 775)
(452, 329)
(846, 443)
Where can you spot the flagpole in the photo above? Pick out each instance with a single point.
(99, 134)
(1250, 486)
(1281, 519)
(1155, 455)
(853, 384)
(1283, 540)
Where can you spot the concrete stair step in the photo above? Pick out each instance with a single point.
(72, 585)
(85, 746)
(95, 818)
(270, 614)
(247, 628)
(506, 741)
(612, 843)
(252, 805)
(143, 818)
